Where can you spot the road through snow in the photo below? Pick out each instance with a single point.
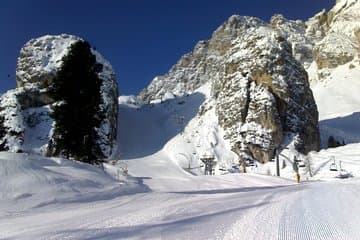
(319, 210)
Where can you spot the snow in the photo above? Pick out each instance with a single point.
(159, 198)
(338, 102)
(45, 53)
(30, 182)
(337, 94)
(140, 216)
(59, 199)
(345, 21)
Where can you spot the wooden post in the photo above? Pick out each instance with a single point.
(277, 163)
(243, 164)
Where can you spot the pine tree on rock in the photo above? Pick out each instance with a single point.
(76, 111)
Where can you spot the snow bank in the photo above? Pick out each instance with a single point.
(31, 181)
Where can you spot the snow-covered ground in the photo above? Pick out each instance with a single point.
(338, 100)
(84, 203)
(155, 187)
(162, 198)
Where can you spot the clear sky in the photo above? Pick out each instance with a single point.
(141, 38)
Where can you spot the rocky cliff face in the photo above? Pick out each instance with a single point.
(202, 65)
(25, 111)
(259, 90)
(340, 43)
(265, 93)
(328, 40)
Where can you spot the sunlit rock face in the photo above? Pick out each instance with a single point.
(259, 89)
(327, 40)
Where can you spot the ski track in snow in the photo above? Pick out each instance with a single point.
(286, 212)
(316, 211)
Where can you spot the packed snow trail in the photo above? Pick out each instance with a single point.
(58, 199)
(319, 210)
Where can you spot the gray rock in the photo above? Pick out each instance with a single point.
(295, 33)
(259, 90)
(39, 61)
(329, 38)
(265, 94)
(334, 50)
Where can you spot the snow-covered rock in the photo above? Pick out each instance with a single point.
(341, 43)
(39, 61)
(295, 33)
(11, 122)
(334, 50)
(333, 40)
(329, 38)
(265, 93)
(259, 90)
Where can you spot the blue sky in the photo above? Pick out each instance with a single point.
(141, 38)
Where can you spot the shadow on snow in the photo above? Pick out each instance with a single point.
(145, 130)
(232, 190)
(345, 129)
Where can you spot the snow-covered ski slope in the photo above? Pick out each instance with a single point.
(338, 100)
(160, 198)
(30, 182)
(232, 206)
(164, 194)
(173, 133)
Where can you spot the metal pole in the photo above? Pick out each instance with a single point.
(340, 166)
(277, 163)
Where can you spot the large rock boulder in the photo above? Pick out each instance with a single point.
(38, 65)
(259, 90)
(340, 44)
(264, 93)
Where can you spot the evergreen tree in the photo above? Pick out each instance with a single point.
(76, 112)
(332, 143)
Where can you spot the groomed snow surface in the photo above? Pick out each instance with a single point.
(149, 191)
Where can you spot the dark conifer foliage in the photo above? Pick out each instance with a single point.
(76, 112)
(333, 143)
(2, 134)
